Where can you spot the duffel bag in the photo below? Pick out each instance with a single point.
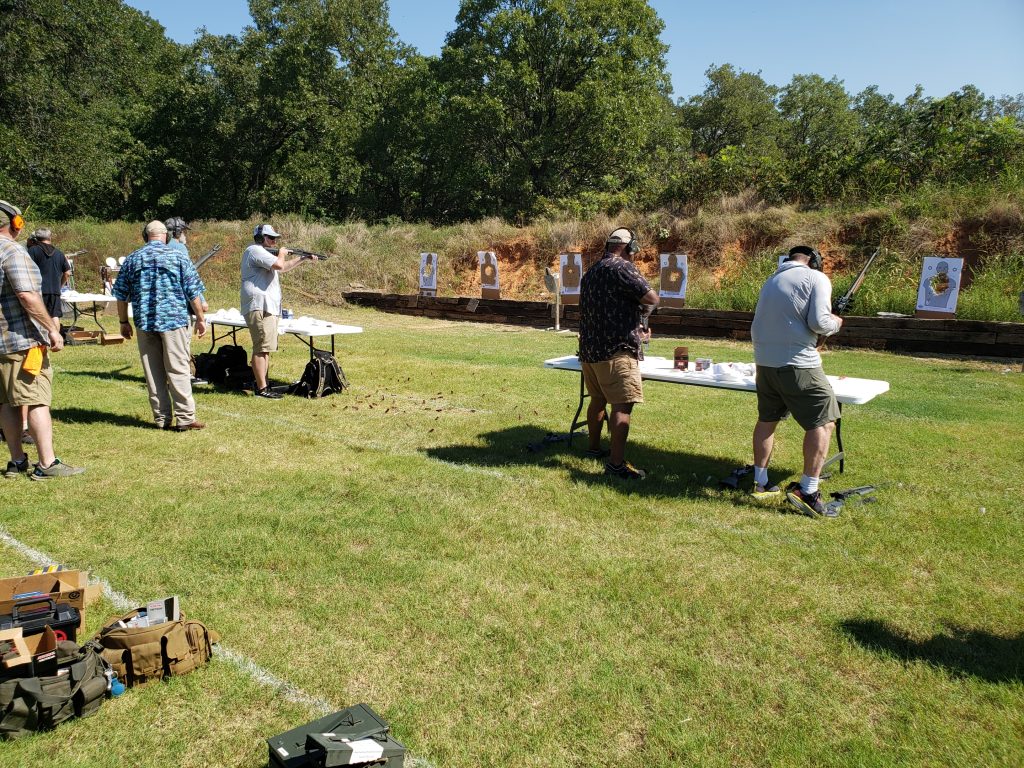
(142, 654)
(29, 704)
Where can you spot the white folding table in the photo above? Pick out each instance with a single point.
(90, 304)
(848, 390)
(306, 329)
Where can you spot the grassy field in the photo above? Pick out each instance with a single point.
(398, 545)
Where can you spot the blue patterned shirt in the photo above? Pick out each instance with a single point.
(18, 274)
(159, 281)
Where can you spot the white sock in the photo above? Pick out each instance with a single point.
(808, 484)
(24, 427)
(761, 476)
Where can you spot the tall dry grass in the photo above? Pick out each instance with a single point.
(733, 244)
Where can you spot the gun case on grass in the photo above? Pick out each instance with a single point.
(354, 736)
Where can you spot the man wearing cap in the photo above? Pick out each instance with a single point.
(261, 300)
(161, 283)
(793, 309)
(176, 239)
(614, 300)
(27, 334)
(54, 268)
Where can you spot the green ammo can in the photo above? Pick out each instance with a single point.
(354, 736)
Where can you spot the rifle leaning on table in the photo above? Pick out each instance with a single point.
(298, 252)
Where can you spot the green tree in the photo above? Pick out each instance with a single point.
(735, 129)
(79, 78)
(547, 102)
(820, 139)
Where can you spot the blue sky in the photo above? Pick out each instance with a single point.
(939, 44)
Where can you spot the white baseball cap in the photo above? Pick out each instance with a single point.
(265, 230)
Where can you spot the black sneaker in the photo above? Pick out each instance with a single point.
(809, 504)
(15, 468)
(27, 439)
(268, 393)
(626, 471)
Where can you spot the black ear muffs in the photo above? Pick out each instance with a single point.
(633, 246)
(814, 260)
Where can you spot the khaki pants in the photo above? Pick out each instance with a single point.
(165, 361)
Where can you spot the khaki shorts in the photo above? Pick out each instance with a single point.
(20, 388)
(616, 380)
(263, 329)
(804, 392)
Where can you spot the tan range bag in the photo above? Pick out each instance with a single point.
(143, 654)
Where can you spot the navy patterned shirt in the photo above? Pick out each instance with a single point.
(159, 281)
(610, 294)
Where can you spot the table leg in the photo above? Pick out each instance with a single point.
(576, 424)
(839, 439)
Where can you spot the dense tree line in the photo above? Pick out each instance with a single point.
(532, 107)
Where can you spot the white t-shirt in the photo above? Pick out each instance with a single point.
(261, 284)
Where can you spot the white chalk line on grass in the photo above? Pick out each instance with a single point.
(264, 677)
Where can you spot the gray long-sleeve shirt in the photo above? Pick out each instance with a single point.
(794, 307)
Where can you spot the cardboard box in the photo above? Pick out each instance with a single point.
(71, 587)
(24, 654)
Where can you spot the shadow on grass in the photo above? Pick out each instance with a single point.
(118, 375)
(964, 652)
(670, 473)
(92, 416)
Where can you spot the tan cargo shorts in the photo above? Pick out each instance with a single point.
(263, 329)
(20, 388)
(617, 380)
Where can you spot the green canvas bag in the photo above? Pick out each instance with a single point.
(29, 704)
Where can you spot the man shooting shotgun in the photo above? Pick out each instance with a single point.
(262, 263)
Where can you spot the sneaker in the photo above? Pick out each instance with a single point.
(57, 469)
(809, 504)
(760, 493)
(596, 453)
(268, 393)
(187, 427)
(15, 468)
(27, 439)
(626, 471)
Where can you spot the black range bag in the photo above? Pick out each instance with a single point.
(229, 366)
(354, 736)
(322, 376)
(75, 688)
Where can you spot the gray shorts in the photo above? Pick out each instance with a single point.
(804, 392)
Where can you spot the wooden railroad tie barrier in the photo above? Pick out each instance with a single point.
(973, 338)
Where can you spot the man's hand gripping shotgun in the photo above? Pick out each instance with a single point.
(844, 302)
